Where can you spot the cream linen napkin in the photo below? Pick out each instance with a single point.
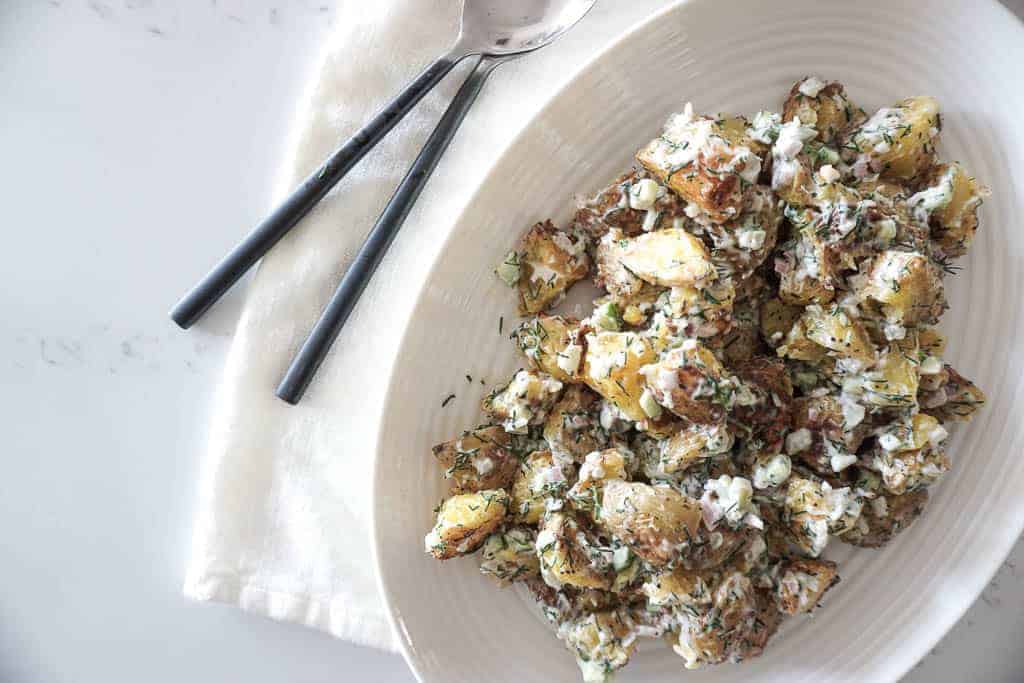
(282, 526)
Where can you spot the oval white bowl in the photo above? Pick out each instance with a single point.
(892, 605)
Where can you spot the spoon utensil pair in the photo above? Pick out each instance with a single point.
(495, 31)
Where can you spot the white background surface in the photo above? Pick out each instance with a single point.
(140, 139)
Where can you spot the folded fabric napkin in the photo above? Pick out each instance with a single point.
(282, 527)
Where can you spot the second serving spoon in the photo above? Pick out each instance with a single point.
(533, 32)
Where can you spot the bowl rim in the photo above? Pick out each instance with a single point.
(933, 636)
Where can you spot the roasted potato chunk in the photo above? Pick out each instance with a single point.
(910, 455)
(602, 642)
(897, 142)
(836, 331)
(510, 556)
(464, 521)
(539, 478)
(573, 428)
(550, 343)
(652, 520)
(741, 245)
(693, 384)
(669, 258)
(823, 105)
(633, 203)
(777, 319)
(813, 509)
(958, 399)
(688, 447)
(705, 161)
(949, 203)
(611, 273)
(893, 381)
(523, 402)
(612, 365)
(569, 556)
(737, 627)
(551, 261)
(479, 459)
(802, 583)
(768, 417)
(599, 467)
(677, 588)
(885, 516)
(908, 286)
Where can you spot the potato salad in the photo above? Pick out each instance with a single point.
(761, 377)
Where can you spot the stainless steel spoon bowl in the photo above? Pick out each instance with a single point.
(506, 27)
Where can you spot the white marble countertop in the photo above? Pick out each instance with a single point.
(140, 140)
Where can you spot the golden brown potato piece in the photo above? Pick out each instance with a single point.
(537, 479)
(948, 202)
(551, 261)
(957, 401)
(523, 402)
(738, 626)
(677, 588)
(479, 459)
(823, 105)
(886, 516)
(464, 521)
(652, 520)
(813, 510)
(510, 556)
(569, 556)
(802, 583)
(610, 272)
(898, 142)
(908, 286)
(550, 343)
(768, 418)
(798, 346)
(597, 468)
(742, 244)
(777, 319)
(821, 437)
(627, 205)
(690, 446)
(836, 331)
(805, 275)
(573, 428)
(612, 365)
(602, 643)
(692, 383)
(893, 381)
(707, 162)
(669, 258)
(911, 455)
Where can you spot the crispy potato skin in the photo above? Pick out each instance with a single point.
(544, 340)
(900, 512)
(899, 141)
(478, 460)
(548, 270)
(830, 111)
(652, 520)
(802, 584)
(464, 521)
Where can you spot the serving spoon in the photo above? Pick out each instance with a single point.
(512, 29)
(492, 29)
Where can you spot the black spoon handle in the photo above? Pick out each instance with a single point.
(305, 197)
(333, 318)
